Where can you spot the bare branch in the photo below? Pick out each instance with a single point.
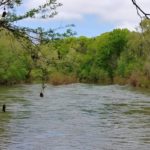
(140, 12)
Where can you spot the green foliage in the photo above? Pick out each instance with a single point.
(13, 66)
(145, 25)
(119, 56)
(100, 60)
(134, 63)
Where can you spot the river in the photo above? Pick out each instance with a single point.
(74, 117)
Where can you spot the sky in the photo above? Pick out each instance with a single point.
(90, 17)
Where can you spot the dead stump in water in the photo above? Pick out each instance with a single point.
(4, 108)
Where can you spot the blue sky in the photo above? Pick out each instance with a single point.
(91, 18)
(89, 26)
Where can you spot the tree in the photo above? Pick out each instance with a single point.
(110, 49)
(14, 61)
(31, 38)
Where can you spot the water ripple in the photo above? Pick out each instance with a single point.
(74, 117)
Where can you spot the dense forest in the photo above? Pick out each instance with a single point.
(119, 56)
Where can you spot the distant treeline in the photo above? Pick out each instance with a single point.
(120, 56)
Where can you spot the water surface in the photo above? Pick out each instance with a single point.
(74, 117)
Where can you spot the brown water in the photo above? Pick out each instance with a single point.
(74, 117)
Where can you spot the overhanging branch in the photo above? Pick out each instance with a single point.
(140, 11)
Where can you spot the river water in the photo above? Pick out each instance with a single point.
(74, 117)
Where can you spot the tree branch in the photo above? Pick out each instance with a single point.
(140, 12)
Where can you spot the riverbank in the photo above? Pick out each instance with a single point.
(63, 79)
(133, 81)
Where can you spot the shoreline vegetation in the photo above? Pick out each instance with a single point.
(116, 57)
(62, 79)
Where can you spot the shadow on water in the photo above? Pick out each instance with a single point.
(139, 111)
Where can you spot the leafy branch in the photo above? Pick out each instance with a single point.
(47, 10)
(34, 37)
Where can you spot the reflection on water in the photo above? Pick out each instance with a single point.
(74, 117)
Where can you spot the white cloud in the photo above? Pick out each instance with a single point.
(120, 12)
(128, 25)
